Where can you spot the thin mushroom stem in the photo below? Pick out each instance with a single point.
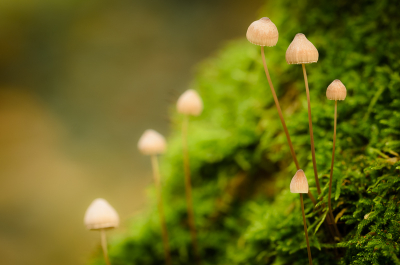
(156, 172)
(330, 218)
(188, 189)
(104, 245)
(278, 107)
(305, 229)
(311, 130)
(331, 174)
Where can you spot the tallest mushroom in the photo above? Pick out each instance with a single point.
(302, 51)
(263, 32)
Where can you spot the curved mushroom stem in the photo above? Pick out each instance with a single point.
(311, 130)
(305, 229)
(331, 174)
(104, 245)
(278, 107)
(156, 172)
(188, 189)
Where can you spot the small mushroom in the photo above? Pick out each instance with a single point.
(101, 216)
(301, 51)
(263, 32)
(190, 103)
(335, 91)
(299, 184)
(152, 143)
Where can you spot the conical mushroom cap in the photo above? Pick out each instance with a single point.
(190, 103)
(263, 32)
(336, 90)
(152, 143)
(301, 50)
(299, 183)
(101, 215)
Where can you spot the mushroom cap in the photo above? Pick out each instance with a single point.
(190, 103)
(336, 91)
(101, 215)
(301, 50)
(299, 182)
(263, 32)
(152, 143)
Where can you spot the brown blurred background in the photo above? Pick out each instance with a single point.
(79, 83)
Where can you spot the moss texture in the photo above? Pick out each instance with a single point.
(241, 164)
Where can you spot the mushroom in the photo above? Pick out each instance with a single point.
(153, 144)
(263, 32)
(299, 185)
(101, 216)
(189, 104)
(302, 51)
(335, 91)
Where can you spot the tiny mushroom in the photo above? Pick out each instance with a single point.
(190, 103)
(301, 51)
(336, 91)
(263, 32)
(299, 183)
(152, 143)
(101, 216)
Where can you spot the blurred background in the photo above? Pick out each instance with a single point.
(79, 83)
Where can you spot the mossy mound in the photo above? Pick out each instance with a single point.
(241, 164)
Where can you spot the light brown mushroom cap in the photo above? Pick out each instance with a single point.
(336, 91)
(299, 183)
(152, 143)
(101, 215)
(263, 32)
(190, 103)
(301, 50)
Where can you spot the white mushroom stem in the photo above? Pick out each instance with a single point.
(157, 181)
(104, 245)
(188, 188)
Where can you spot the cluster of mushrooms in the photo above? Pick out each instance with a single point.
(101, 215)
(263, 32)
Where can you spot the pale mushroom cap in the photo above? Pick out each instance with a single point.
(190, 103)
(299, 183)
(152, 143)
(301, 50)
(336, 91)
(263, 32)
(101, 215)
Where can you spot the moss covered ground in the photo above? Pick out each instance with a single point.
(241, 164)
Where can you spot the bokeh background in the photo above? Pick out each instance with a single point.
(79, 82)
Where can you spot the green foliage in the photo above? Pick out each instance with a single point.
(241, 164)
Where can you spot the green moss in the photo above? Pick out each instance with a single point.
(241, 164)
